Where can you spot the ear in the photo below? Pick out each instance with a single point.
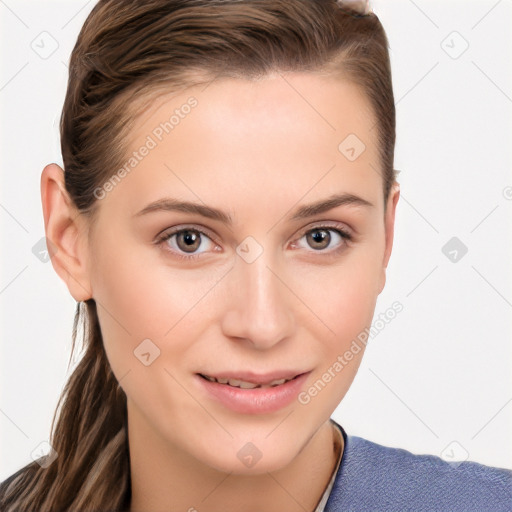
(389, 225)
(66, 233)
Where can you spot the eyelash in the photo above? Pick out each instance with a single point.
(344, 234)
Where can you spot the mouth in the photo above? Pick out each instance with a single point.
(248, 384)
(252, 393)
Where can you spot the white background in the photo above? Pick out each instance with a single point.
(441, 370)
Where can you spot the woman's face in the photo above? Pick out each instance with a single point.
(270, 281)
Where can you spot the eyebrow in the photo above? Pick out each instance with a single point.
(303, 212)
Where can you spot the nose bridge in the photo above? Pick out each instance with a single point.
(259, 307)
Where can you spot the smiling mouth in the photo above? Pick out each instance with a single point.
(236, 383)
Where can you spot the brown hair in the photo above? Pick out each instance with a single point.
(127, 53)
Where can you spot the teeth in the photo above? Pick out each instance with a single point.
(246, 385)
(239, 383)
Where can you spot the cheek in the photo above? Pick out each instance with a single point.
(346, 305)
(343, 296)
(142, 295)
(137, 302)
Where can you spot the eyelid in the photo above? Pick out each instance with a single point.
(168, 232)
(205, 231)
(328, 225)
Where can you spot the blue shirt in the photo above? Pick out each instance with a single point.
(372, 477)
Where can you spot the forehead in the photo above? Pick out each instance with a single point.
(282, 134)
(321, 101)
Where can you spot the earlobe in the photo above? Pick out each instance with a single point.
(65, 233)
(389, 223)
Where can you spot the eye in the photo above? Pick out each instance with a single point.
(321, 238)
(185, 242)
(189, 242)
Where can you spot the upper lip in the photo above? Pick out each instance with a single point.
(256, 378)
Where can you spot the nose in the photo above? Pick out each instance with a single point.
(259, 306)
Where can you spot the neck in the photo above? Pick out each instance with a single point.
(164, 477)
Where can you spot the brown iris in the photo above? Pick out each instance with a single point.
(188, 240)
(319, 238)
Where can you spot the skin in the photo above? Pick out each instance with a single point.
(258, 151)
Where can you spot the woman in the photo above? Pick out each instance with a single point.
(224, 222)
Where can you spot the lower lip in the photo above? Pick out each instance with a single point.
(255, 401)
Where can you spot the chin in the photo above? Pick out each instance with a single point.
(248, 459)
